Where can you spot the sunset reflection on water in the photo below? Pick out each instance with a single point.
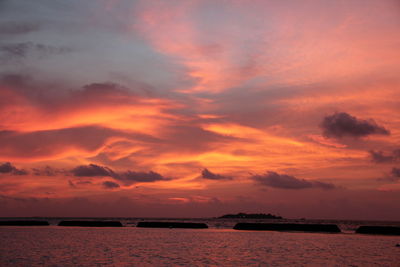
(128, 246)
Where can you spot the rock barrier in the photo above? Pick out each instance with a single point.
(378, 230)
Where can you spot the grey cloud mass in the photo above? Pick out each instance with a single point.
(131, 177)
(48, 171)
(206, 174)
(127, 177)
(396, 173)
(92, 170)
(110, 185)
(381, 157)
(392, 177)
(17, 28)
(8, 168)
(283, 181)
(343, 124)
(18, 51)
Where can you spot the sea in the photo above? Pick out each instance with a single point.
(219, 245)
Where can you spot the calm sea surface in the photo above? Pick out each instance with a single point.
(216, 246)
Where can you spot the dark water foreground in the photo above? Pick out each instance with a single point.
(131, 246)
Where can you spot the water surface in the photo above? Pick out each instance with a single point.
(130, 246)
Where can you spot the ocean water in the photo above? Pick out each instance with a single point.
(216, 246)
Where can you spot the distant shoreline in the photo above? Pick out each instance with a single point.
(242, 215)
(188, 218)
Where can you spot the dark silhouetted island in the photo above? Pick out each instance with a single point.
(91, 223)
(378, 230)
(250, 216)
(326, 228)
(172, 225)
(24, 223)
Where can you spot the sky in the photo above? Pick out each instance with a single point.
(198, 108)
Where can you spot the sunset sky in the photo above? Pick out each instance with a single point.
(197, 108)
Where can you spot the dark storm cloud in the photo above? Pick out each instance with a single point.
(381, 157)
(343, 124)
(396, 173)
(110, 185)
(92, 170)
(48, 171)
(128, 177)
(283, 181)
(18, 28)
(18, 51)
(206, 174)
(8, 168)
(392, 177)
